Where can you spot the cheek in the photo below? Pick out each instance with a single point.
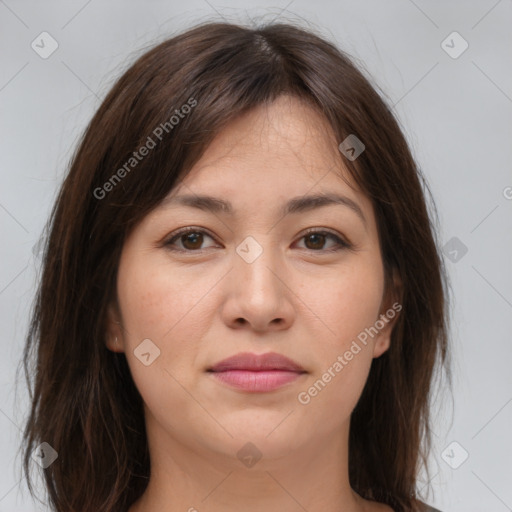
(333, 393)
(345, 350)
(159, 304)
(152, 305)
(349, 304)
(157, 300)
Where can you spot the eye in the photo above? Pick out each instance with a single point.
(316, 239)
(192, 238)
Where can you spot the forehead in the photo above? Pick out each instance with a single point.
(287, 129)
(286, 146)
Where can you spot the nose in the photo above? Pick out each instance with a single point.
(259, 295)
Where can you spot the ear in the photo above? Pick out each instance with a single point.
(114, 333)
(389, 312)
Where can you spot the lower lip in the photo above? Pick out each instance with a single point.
(257, 381)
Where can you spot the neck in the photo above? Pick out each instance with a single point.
(190, 475)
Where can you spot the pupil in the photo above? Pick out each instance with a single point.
(316, 235)
(193, 238)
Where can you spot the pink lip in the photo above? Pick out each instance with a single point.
(257, 373)
(257, 382)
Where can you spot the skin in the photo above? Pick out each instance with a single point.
(296, 299)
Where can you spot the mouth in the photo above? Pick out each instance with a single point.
(257, 373)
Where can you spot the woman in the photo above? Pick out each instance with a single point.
(242, 302)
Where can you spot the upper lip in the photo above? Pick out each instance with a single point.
(255, 362)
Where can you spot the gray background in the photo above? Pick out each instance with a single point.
(456, 113)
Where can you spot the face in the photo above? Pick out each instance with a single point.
(307, 283)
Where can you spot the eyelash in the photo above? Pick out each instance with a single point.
(342, 244)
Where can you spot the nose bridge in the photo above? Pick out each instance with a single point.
(257, 294)
(256, 264)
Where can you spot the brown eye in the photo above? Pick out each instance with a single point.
(190, 240)
(315, 241)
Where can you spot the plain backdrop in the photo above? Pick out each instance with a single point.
(454, 104)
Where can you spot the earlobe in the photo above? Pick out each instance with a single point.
(113, 344)
(386, 324)
(383, 343)
(114, 335)
(389, 314)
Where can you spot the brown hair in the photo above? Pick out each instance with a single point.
(84, 401)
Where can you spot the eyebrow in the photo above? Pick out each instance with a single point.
(297, 204)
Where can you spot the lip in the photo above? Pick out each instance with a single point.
(257, 373)
(257, 362)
